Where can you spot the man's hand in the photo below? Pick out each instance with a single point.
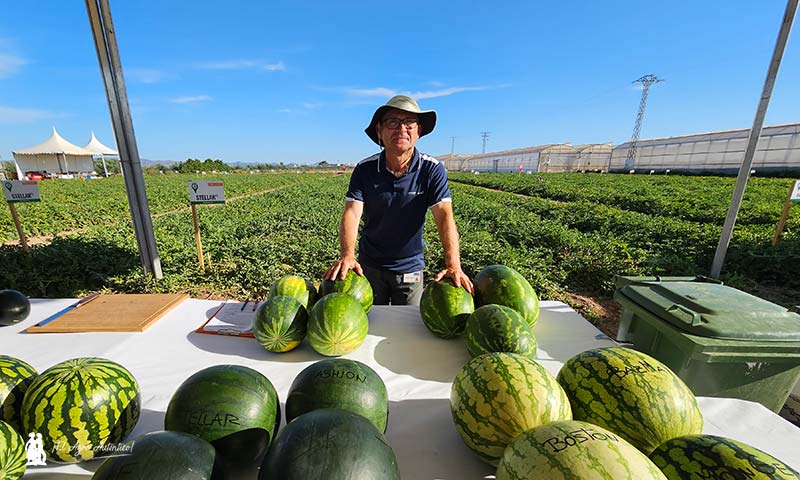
(459, 278)
(341, 267)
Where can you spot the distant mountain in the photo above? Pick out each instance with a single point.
(148, 163)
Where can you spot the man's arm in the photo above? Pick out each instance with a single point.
(348, 232)
(448, 235)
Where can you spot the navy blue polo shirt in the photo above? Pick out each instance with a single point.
(395, 208)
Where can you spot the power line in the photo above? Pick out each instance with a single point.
(647, 81)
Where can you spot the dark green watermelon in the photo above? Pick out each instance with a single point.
(233, 407)
(444, 308)
(337, 325)
(14, 307)
(15, 378)
(296, 287)
(155, 455)
(339, 383)
(353, 284)
(503, 285)
(280, 324)
(330, 444)
(497, 328)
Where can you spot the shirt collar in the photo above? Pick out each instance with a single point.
(415, 161)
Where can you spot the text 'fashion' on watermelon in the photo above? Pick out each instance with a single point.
(280, 324)
(570, 449)
(15, 378)
(497, 328)
(80, 406)
(353, 284)
(296, 287)
(339, 383)
(444, 308)
(14, 307)
(330, 444)
(632, 394)
(699, 457)
(503, 285)
(233, 407)
(497, 396)
(337, 325)
(13, 460)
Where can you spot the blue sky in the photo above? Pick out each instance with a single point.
(284, 81)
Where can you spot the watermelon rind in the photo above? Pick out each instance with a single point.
(296, 287)
(353, 284)
(337, 325)
(280, 324)
(15, 378)
(444, 308)
(497, 328)
(502, 285)
(13, 459)
(631, 394)
(570, 449)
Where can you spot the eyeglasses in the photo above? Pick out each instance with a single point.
(394, 123)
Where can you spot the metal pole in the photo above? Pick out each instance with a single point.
(111, 69)
(752, 141)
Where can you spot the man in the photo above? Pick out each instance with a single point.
(393, 190)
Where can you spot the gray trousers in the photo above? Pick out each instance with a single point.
(389, 288)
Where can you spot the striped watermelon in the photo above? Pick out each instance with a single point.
(296, 287)
(280, 324)
(15, 378)
(13, 459)
(80, 406)
(444, 308)
(631, 394)
(503, 285)
(496, 328)
(699, 457)
(570, 449)
(337, 325)
(497, 396)
(353, 284)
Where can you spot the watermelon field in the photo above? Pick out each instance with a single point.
(568, 234)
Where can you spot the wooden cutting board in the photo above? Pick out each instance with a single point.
(114, 313)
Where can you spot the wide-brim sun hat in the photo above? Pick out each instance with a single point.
(427, 118)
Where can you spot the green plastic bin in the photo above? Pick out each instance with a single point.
(721, 341)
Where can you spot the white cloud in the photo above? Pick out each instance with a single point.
(284, 110)
(243, 64)
(147, 75)
(311, 106)
(24, 115)
(10, 64)
(191, 99)
(388, 92)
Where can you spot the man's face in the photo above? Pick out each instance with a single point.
(402, 138)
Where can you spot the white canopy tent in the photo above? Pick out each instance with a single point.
(55, 155)
(101, 151)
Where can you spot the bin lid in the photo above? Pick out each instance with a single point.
(715, 310)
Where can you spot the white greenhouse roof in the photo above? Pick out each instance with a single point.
(54, 145)
(95, 146)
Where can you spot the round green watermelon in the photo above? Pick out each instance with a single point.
(233, 407)
(339, 383)
(353, 284)
(632, 394)
(700, 457)
(13, 459)
(570, 449)
(337, 325)
(280, 324)
(14, 307)
(154, 455)
(296, 287)
(503, 285)
(497, 396)
(15, 378)
(496, 328)
(80, 406)
(330, 444)
(444, 308)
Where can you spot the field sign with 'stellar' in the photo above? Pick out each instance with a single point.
(21, 191)
(203, 191)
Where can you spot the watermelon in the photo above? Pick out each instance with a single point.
(496, 328)
(154, 455)
(632, 394)
(14, 307)
(503, 285)
(699, 457)
(497, 396)
(15, 378)
(280, 324)
(337, 325)
(296, 287)
(13, 459)
(233, 407)
(80, 406)
(330, 444)
(353, 284)
(570, 449)
(339, 383)
(444, 308)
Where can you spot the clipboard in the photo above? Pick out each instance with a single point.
(231, 318)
